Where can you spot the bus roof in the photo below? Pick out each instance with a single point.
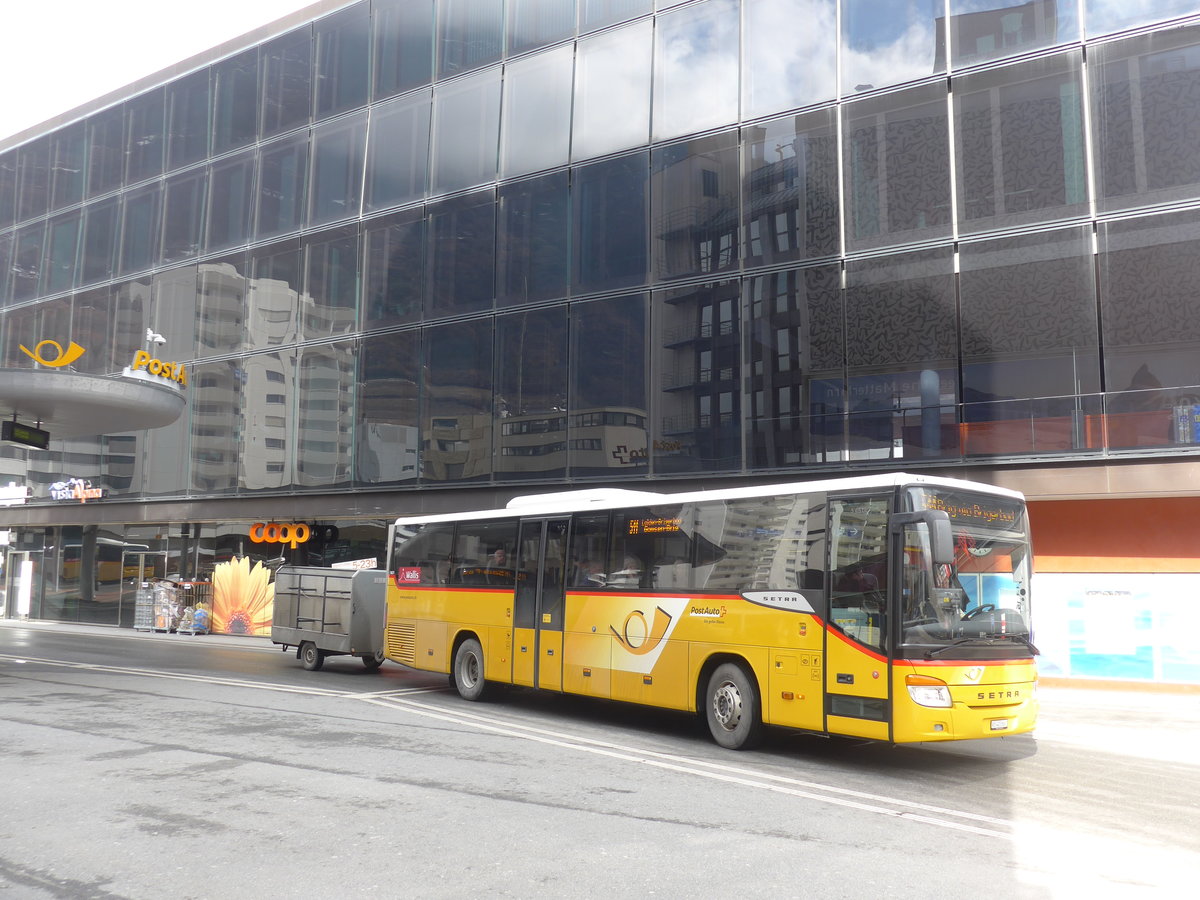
(559, 503)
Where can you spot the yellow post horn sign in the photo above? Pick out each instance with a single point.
(62, 357)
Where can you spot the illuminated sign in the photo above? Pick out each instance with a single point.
(62, 357)
(653, 526)
(25, 434)
(275, 533)
(170, 371)
(76, 489)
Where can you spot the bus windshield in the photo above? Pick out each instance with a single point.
(979, 604)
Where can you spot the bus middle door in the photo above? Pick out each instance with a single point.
(538, 604)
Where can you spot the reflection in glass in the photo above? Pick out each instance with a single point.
(267, 458)
(466, 131)
(402, 33)
(6, 259)
(282, 184)
(612, 90)
(598, 13)
(144, 136)
(287, 81)
(140, 229)
(387, 444)
(1104, 16)
(221, 305)
(337, 169)
(1019, 141)
(697, 367)
(981, 30)
(607, 429)
(100, 238)
(187, 119)
(694, 206)
(609, 206)
(91, 327)
(33, 179)
(784, 74)
(394, 268)
(27, 261)
(398, 152)
(462, 254)
(342, 50)
(106, 151)
(533, 244)
(8, 188)
(183, 215)
(62, 246)
(536, 127)
(329, 304)
(531, 397)
(325, 415)
(274, 294)
(897, 168)
(231, 201)
(886, 43)
(696, 68)
(535, 23)
(68, 148)
(456, 420)
(216, 410)
(470, 34)
(235, 101)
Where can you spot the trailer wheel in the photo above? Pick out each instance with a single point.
(468, 670)
(732, 707)
(310, 657)
(373, 662)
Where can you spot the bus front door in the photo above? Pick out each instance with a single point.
(538, 605)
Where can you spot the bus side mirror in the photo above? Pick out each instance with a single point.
(941, 536)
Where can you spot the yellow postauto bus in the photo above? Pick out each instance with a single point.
(890, 607)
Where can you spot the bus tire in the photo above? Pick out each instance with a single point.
(732, 708)
(310, 657)
(373, 662)
(468, 670)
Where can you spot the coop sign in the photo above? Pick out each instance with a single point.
(277, 533)
(170, 371)
(75, 489)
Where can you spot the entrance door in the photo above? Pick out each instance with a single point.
(538, 605)
(16, 587)
(137, 568)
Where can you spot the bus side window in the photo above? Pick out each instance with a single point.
(589, 550)
(858, 568)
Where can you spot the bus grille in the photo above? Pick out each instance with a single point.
(402, 642)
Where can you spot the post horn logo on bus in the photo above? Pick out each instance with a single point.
(61, 358)
(291, 534)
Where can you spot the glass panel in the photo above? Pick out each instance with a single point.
(221, 305)
(62, 246)
(132, 316)
(343, 55)
(1029, 330)
(173, 311)
(462, 254)
(694, 206)
(609, 209)
(531, 395)
(388, 445)
(329, 304)
(274, 294)
(106, 151)
(697, 350)
(268, 456)
(140, 229)
(27, 261)
(231, 201)
(325, 415)
(1019, 140)
(535, 23)
(796, 367)
(595, 14)
(8, 188)
(394, 270)
(534, 240)
(608, 432)
(536, 129)
(1104, 16)
(282, 179)
(784, 74)
(183, 215)
(68, 147)
(466, 131)
(470, 34)
(890, 43)
(216, 409)
(696, 68)
(144, 137)
(897, 168)
(187, 118)
(92, 326)
(337, 169)
(403, 41)
(30, 325)
(990, 29)
(1144, 96)
(33, 179)
(902, 355)
(287, 81)
(398, 152)
(6, 261)
(100, 239)
(791, 189)
(612, 91)
(458, 402)
(235, 102)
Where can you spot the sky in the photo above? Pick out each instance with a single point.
(58, 55)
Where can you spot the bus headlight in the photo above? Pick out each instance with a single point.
(926, 690)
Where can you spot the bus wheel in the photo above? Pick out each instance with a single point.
(373, 662)
(734, 716)
(310, 657)
(468, 670)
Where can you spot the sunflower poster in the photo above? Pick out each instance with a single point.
(243, 598)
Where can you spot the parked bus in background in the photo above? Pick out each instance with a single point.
(891, 607)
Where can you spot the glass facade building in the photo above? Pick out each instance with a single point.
(494, 246)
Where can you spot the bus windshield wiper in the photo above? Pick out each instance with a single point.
(929, 654)
(985, 641)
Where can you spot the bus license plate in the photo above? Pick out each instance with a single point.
(999, 724)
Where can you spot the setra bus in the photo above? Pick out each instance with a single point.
(889, 607)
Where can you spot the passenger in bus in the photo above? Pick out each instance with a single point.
(499, 557)
(588, 573)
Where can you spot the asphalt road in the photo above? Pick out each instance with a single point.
(171, 766)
